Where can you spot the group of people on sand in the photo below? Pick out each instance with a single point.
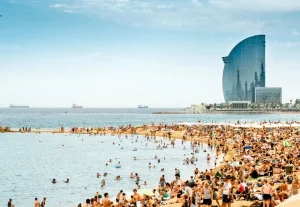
(261, 167)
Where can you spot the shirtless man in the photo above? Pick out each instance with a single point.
(137, 197)
(106, 201)
(36, 203)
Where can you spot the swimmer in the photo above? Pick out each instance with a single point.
(53, 181)
(106, 164)
(134, 158)
(162, 170)
(103, 182)
(155, 157)
(145, 183)
(102, 187)
(131, 175)
(110, 160)
(67, 181)
(98, 175)
(105, 174)
(149, 165)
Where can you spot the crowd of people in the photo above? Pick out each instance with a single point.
(260, 167)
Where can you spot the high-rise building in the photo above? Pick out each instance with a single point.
(268, 95)
(244, 69)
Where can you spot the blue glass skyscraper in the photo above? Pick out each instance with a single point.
(244, 69)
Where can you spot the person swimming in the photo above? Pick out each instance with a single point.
(110, 160)
(149, 166)
(54, 181)
(67, 181)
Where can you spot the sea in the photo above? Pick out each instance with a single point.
(29, 162)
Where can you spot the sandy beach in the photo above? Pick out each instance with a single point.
(228, 139)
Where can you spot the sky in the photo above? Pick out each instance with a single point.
(122, 53)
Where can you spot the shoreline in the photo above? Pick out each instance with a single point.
(230, 112)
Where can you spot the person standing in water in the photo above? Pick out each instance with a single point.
(37, 203)
(43, 203)
(162, 181)
(208, 157)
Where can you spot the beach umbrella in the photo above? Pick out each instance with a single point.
(286, 144)
(247, 147)
(291, 202)
(147, 192)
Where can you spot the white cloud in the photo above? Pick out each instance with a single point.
(197, 3)
(286, 44)
(59, 6)
(258, 5)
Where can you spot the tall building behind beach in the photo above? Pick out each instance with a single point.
(244, 69)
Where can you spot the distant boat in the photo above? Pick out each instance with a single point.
(143, 107)
(75, 106)
(18, 106)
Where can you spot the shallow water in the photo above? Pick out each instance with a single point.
(30, 161)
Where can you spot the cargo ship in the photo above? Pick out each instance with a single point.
(143, 107)
(75, 106)
(18, 106)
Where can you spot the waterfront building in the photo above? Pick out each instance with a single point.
(239, 105)
(268, 95)
(244, 70)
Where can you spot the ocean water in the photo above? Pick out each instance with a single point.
(29, 162)
(93, 117)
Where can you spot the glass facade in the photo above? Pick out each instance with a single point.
(268, 95)
(244, 70)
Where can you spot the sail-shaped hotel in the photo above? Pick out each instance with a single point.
(244, 69)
